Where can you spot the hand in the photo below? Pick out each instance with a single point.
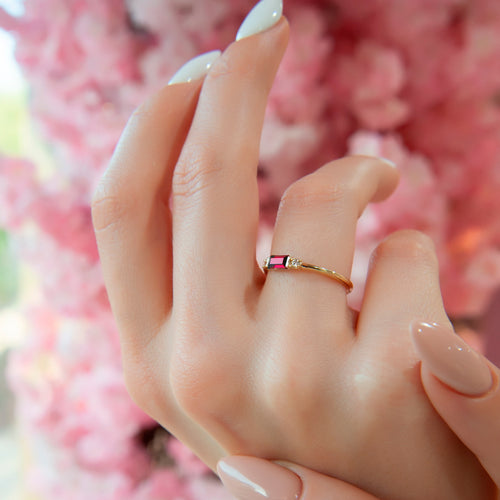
(462, 385)
(232, 362)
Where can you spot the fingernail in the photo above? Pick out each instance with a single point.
(450, 359)
(264, 15)
(249, 478)
(195, 68)
(389, 162)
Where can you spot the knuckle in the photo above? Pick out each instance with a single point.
(139, 386)
(308, 193)
(408, 244)
(146, 373)
(200, 365)
(300, 405)
(142, 382)
(192, 176)
(109, 205)
(293, 389)
(189, 384)
(194, 383)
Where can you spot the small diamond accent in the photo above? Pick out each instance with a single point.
(295, 263)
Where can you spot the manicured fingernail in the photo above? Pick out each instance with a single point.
(249, 478)
(195, 68)
(264, 15)
(389, 162)
(450, 359)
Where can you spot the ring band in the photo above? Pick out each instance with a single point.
(289, 262)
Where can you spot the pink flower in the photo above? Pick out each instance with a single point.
(368, 80)
(300, 93)
(18, 190)
(404, 80)
(163, 484)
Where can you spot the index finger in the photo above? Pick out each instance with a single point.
(130, 212)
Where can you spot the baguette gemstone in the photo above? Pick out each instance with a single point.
(277, 262)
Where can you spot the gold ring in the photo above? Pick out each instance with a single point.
(289, 262)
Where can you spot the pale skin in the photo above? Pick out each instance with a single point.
(475, 420)
(234, 362)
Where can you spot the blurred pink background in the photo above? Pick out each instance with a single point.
(416, 81)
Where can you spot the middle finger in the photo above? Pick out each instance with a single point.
(215, 196)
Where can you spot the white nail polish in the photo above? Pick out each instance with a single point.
(195, 68)
(264, 15)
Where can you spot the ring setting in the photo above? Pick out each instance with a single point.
(276, 262)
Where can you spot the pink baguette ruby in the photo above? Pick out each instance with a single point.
(277, 262)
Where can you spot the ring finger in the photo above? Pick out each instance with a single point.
(317, 223)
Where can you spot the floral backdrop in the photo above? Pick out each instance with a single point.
(416, 81)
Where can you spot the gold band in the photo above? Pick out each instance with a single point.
(289, 262)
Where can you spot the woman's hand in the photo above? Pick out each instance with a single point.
(462, 385)
(233, 362)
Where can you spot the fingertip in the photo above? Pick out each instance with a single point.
(254, 478)
(317, 486)
(390, 180)
(168, 99)
(415, 247)
(450, 359)
(383, 175)
(196, 68)
(263, 16)
(260, 51)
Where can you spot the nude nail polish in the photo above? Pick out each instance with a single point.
(249, 478)
(450, 359)
(264, 15)
(195, 68)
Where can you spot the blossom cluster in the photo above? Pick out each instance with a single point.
(415, 81)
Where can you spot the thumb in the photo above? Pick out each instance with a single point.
(463, 387)
(250, 478)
